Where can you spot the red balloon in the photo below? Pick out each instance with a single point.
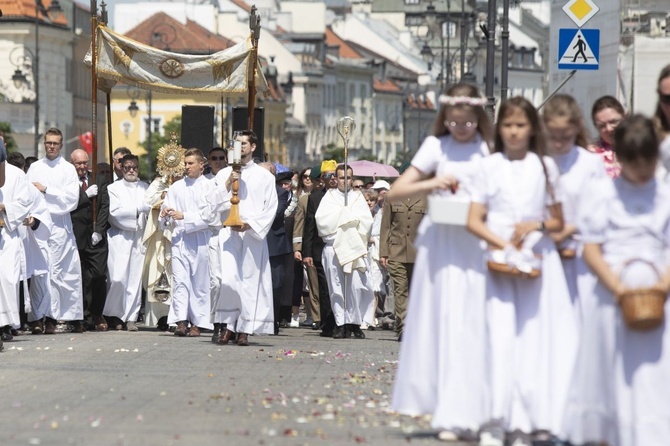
(86, 142)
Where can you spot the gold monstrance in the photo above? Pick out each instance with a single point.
(171, 160)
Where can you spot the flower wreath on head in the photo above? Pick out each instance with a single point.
(462, 100)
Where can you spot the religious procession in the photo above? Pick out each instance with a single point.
(523, 267)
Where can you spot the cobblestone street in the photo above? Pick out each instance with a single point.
(148, 387)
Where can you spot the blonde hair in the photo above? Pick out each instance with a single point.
(565, 106)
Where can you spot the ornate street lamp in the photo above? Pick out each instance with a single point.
(51, 13)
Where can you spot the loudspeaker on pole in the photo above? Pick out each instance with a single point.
(197, 127)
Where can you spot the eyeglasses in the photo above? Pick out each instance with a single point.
(664, 98)
(51, 143)
(612, 122)
(460, 125)
(217, 158)
(129, 168)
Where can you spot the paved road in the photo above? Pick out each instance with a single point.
(151, 388)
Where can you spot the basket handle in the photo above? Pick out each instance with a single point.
(627, 262)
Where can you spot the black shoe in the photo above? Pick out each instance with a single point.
(326, 334)
(162, 324)
(216, 333)
(6, 333)
(356, 331)
(340, 332)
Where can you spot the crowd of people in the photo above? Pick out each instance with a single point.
(528, 240)
(107, 253)
(537, 314)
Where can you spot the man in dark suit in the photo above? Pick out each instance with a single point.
(312, 245)
(91, 239)
(279, 247)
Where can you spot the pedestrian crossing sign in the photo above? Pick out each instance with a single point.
(578, 49)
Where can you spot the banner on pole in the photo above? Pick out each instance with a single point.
(121, 59)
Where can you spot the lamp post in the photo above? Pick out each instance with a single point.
(134, 94)
(52, 13)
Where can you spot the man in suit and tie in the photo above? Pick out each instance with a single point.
(400, 221)
(91, 238)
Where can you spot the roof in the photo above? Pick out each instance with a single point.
(420, 102)
(387, 86)
(242, 4)
(345, 51)
(164, 32)
(26, 9)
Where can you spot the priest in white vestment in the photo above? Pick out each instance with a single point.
(190, 247)
(15, 203)
(127, 217)
(57, 180)
(345, 230)
(245, 300)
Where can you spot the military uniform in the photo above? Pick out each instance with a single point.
(400, 221)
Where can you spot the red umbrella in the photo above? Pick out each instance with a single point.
(366, 168)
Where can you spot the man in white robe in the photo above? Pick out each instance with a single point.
(190, 247)
(15, 203)
(345, 230)
(127, 217)
(245, 299)
(57, 180)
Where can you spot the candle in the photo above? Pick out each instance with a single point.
(237, 147)
(231, 156)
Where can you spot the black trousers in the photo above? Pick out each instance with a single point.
(94, 276)
(327, 316)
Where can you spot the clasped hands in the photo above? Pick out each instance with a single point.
(172, 213)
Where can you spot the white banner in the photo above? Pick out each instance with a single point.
(133, 63)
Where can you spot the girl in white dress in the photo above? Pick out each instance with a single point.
(531, 323)
(625, 225)
(567, 139)
(443, 368)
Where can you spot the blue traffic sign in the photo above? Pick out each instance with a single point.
(578, 49)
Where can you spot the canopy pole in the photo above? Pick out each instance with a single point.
(94, 100)
(255, 27)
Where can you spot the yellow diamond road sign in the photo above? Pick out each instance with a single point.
(580, 11)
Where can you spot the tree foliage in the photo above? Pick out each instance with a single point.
(158, 141)
(10, 143)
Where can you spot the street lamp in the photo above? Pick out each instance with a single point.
(133, 94)
(51, 13)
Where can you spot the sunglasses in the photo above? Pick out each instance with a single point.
(359, 186)
(129, 168)
(664, 98)
(328, 176)
(217, 158)
(306, 177)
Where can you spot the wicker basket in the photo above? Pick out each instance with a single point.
(567, 253)
(643, 308)
(504, 268)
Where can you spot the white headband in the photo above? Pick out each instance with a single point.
(462, 100)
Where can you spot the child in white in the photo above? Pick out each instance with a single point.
(443, 368)
(567, 138)
(626, 230)
(531, 323)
